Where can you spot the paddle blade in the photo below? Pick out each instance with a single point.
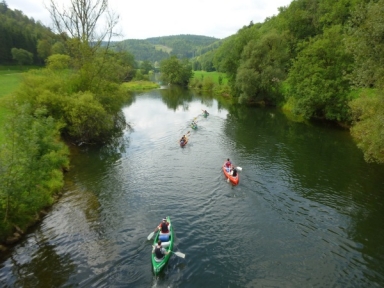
(182, 255)
(150, 236)
(239, 168)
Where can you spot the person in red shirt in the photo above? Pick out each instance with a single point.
(163, 226)
(228, 165)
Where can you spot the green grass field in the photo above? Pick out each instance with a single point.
(9, 81)
(139, 85)
(213, 75)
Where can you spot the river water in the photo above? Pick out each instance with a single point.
(308, 211)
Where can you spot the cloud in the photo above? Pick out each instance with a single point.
(153, 18)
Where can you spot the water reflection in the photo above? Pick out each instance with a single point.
(46, 268)
(308, 210)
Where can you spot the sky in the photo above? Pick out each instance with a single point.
(153, 18)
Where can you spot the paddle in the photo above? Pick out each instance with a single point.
(182, 255)
(150, 235)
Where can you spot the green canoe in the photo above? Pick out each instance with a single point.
(159, 265)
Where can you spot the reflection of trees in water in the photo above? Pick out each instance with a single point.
(322, 165)
(46, 269)
(176, 96)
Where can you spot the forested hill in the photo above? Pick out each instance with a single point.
(19, 31)
(159, 48)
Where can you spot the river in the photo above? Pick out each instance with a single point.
(308, 211)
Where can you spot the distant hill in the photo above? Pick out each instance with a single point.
(159, 48)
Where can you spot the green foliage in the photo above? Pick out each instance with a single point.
(160, 48)
(262, 68)
(216, 76)
(8, 83)
(183, 46)
(317, 79)
(19, 31)
(176, 71)
(88, 103)
(31, 162)
(58, 62)
(86, 118)
(142, 50)
(368, 129)
(146, 66)
(139, 85)
(366, 43)
(22, 56)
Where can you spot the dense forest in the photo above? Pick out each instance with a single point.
(19, 31)
(159, 48)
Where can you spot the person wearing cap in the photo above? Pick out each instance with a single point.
(159, 251)
(163, 226)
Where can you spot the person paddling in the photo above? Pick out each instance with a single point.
(159, 251)
(163, 226)
(183, 139)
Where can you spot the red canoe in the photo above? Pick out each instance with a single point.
(182, 144)
(233, 179)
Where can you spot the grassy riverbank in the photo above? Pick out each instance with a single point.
(214, 82)
(140, 85)
(9, 81)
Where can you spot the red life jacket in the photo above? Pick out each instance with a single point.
(164, 227)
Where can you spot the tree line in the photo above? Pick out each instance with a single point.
(317, 58)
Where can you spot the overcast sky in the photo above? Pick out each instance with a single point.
(151, 18)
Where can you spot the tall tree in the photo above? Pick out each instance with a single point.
(366, 43)
(176, 71)
(82, 21)
(262, 68)
(317, 79)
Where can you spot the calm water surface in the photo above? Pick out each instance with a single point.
(308, 211)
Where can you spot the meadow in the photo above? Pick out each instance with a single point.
(10, 78)
(200, 75)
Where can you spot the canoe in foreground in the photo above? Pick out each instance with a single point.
(167, 245)
(233, 179)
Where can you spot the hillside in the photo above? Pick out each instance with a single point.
(158, 48)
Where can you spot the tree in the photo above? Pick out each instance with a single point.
(317, 79)
(262, 68)
(176, 71)
(58, 48)
(368, 128)
(43, 49)
(366, 43)
(81, 22)
(22, 56)
(146, 66)
(58, 62)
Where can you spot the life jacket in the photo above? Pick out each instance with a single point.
(158, 253)
(228, 163)
(164, 228)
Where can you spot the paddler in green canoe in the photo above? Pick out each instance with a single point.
(159, 251)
